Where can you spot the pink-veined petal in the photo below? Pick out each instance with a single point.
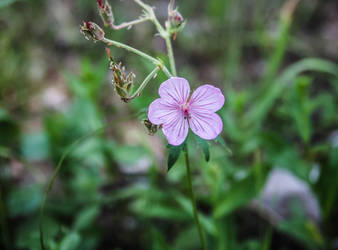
(206, 98)
(175, 90)
(176, 130)
(161, 113)
(206, 125)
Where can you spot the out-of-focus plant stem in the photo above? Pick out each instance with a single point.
(192, 197)
(282, 40)
(155, 61)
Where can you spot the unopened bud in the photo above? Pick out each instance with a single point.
(92, 30)
(123, 83)
(176, 19)
(106, 13)
(100, 3)
(151, 128)
(175, 22)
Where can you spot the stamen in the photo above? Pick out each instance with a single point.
(185, 110)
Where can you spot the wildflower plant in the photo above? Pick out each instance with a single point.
(177, 109)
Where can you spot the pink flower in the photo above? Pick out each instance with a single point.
(177, 110)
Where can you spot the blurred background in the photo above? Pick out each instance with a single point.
(276, 62)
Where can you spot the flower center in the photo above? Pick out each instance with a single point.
(185, 110)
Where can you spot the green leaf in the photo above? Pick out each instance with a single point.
(158, 240)
(205, 147)
(240, 193)
(221, 141)
(70, 241)
(304, 230)
(174, 154)
(86, 217)
(149, 209)
(186, 239)
(206, 222)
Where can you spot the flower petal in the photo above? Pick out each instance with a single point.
(161, 113)
(206, 125)
(175, 90)
(176, 130)
(207, 98)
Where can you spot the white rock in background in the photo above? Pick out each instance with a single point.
(282, 189)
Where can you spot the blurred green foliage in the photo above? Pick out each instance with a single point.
(112, 190)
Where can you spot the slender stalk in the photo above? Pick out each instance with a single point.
(150, 12)
(193, 200)
(129, 24)
(163, 33)
(144, 83)
(49, 188)
(138, 52)
(143, 5)
(130, 49)
(170, 55)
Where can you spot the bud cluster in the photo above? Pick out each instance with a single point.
(123, 83)
(175, 22)
(91, 30)
(106, 13)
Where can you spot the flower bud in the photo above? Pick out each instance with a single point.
(175, 19)
(106, 13)
(151, 128)
(92, 30)
(175, 22)
(123, 83)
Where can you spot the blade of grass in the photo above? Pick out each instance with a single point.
(265, 103)
(277, 56)
(267, 239)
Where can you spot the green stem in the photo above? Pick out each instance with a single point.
(144, 83)
(170, 55)
(163, 33)
(150, 12)
(129, 24)
(138, 52)
(193, 200)
(143, 5)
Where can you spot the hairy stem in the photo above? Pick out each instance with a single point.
(192, 197)
(163, 33)
(144, 83)
(129, 24)
(138, 52)
(170, 55)
(150, 12)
